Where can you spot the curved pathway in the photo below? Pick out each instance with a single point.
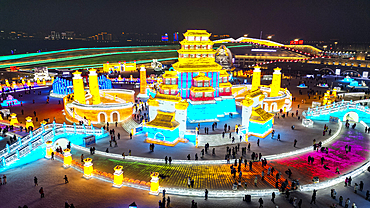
(218, 177)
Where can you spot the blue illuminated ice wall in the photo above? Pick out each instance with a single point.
(258, 128)
(210, 111)
(162, 134)
(104, 83)
(64, 87)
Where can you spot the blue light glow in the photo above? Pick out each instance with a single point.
(162, 134)
(211, 111)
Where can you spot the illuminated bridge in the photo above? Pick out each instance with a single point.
(344, 110)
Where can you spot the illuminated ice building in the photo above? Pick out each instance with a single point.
(197, 90)
(96, 105)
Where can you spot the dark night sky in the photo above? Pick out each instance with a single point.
(347, 20)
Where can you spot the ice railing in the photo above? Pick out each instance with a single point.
(76, 116)
(336, 107)
(38, 137)
(110, 97)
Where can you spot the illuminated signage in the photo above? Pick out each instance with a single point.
(165, 37)
(337, 71)
(175, 36)
(262, 50)
(296, 42)
(365, 74)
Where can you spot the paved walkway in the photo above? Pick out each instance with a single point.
(337, 157)
(218, 177)
(215, 177)
(83, 193)
(268, 146)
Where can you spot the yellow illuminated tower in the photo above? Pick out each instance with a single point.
(94, 86)
(78, 87)
(142, 95)
(256, 80)
(276, 82)
(142, 79)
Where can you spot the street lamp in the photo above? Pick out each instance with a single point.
(269, 37)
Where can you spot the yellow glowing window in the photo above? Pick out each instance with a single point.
(167, 81)
(166, 92)
(221, 89)
(199, 84)
(206, 84)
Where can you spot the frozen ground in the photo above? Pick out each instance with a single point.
(83, 193)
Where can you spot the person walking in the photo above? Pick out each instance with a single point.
(4, 179)
(300, 203)
(341, 200)
(65, 179)
(52, 155)
(35, 181)
(361, 185)
(295, 142)
(206, 194)
(347, 203)
(41, 191)
(165, 159)
(168, 202)
(189, 182)
(255, 181)
(337, 170)
(258, 142)
(355, 188)
(261, 202)
(169, 160)
(349, 181)
(313, 199)
(273, 197)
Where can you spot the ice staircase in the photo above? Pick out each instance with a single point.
(216, 139)
(129, 124)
